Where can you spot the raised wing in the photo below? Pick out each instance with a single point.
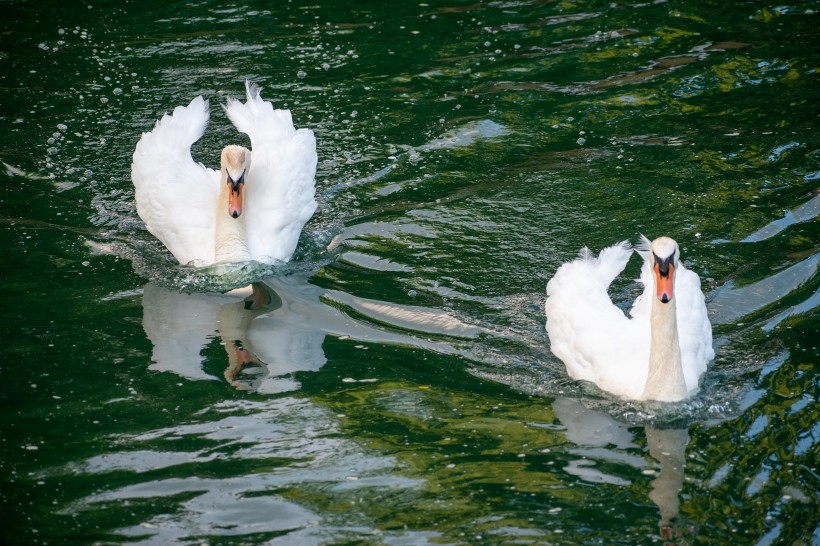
(280, 187)
(176, 197)
(591, 335)
(643, 303)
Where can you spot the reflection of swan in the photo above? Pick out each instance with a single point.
(261, 355)
(277, 330)
(234, 321)
(599, 437)
(253, 209)
(668, 447)
(660, 353)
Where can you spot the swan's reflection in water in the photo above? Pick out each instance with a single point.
(275, 328)
(668, 447)
(261, 357)
(599, 437)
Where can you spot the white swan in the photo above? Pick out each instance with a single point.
(660, 352)
(254, 208)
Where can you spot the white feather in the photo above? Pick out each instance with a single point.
(179, 200)
(176, 197)
(597, 342)
(285, 159)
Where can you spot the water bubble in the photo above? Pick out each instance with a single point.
(325, 66)
(581, 141)
(117, 91)
(301, 74)
(103, 100)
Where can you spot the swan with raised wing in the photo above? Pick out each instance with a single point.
(657, 354)
(253, 208)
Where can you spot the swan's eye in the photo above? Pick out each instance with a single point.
(663, 264)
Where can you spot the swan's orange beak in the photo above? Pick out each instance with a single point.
(235, 199)
(664, 287)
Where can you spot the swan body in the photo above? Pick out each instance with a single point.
(252, 208)
(657, 354)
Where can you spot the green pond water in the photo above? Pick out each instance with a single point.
(403, 390)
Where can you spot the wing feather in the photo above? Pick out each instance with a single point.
(177, 197)
(694, 328)
(591, 335)
(280, 189)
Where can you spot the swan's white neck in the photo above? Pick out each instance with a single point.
(665, 381)
(231, 239)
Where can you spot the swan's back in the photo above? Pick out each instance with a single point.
(593, 337)
(280, 186)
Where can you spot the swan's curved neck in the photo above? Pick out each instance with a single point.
(665, 381)
(231, 238)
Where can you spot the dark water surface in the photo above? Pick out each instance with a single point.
(403, 391)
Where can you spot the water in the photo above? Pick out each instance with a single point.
(402, 389)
